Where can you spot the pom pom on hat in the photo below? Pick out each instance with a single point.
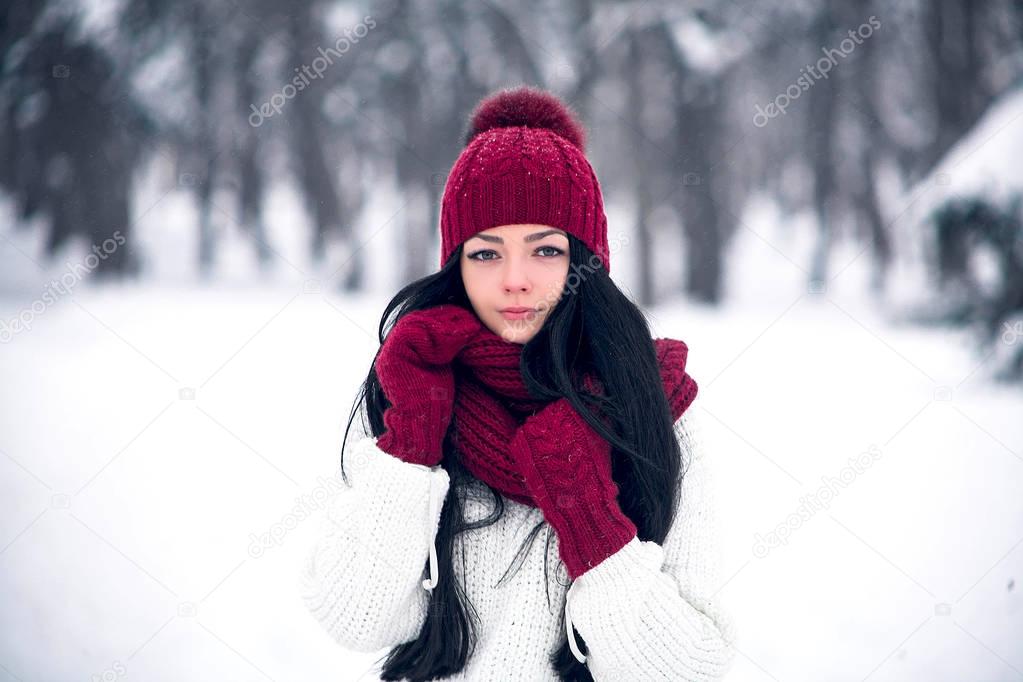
(526, 106)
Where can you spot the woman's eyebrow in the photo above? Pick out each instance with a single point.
(530, 238)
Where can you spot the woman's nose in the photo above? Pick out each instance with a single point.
(515, 276)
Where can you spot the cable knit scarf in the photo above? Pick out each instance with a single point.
(488, 367)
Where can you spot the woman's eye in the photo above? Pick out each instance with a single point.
(478, 255)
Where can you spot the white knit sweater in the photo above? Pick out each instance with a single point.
(646, 613)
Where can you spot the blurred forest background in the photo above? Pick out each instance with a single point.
(834, 110)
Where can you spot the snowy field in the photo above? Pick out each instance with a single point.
(157, 440)
(150, 435)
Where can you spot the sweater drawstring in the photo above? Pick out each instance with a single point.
(431, 582)
(572, 644)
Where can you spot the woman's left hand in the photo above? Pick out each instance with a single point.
(567, 469)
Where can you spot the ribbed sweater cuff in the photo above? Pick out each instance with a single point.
(382, 477)
(638, 621)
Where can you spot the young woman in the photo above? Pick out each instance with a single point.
(517, 393)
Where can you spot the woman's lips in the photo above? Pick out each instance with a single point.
(517, 313)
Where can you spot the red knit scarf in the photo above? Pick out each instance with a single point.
(490, 365)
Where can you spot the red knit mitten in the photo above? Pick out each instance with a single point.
(567, 469)
(414, 370)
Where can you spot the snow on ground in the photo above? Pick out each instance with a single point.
(152, 433)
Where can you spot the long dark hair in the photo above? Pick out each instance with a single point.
(594, 327)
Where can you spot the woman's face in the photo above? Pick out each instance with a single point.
(515, 266)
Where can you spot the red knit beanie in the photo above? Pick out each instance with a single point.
(524, 162)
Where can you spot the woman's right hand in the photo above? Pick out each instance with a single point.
(414, 370)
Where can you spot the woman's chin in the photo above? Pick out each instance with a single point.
(516, 332)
